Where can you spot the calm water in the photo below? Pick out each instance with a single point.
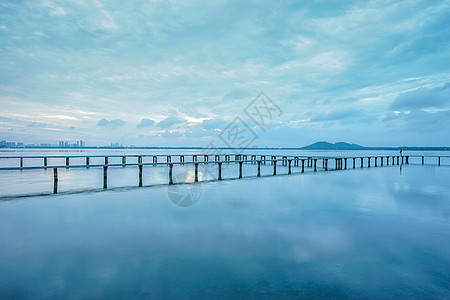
(363, 233)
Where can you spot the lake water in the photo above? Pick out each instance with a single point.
(357, 233)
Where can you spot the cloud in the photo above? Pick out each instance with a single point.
(337, 115)
(146, 123)
(423, 98)
(214, 124)
(169, 122)
(110, 123)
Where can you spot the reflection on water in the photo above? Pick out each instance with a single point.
(364, 233)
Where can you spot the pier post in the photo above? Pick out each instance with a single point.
(381, 160)
(220, 171)
(194, 158)
(253, 158)
(170, 173)
(168, 158)
(289, 166)
(139, 159)
(398, 160)
(87, 161)
(45, 161)
(326, 164)
(336, 164)
(240, 169)
(140, 175)
(105, 177)
(155, 160)
(21, 162)
(303, 166)
(439, 160)
(124, 161)
(106, 160)
(354, 162)
(55, 180)
(67, 161)
(274, 167)
(387, 160)
(259, 169)
(376, 159)
(345, 163)
(315, 164)
(182, 159)
(362, 162)
(407, 159)
(196, 172)
(423, 160)
(368, 164)
(402, 159)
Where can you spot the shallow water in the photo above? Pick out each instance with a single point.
(363, 233)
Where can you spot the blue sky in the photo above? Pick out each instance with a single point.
(171, 73)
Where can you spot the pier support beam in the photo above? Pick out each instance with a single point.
(315, 165)
(407, 159)
(45, 161)
(381, 161)
(439, 160)
(106, 160)
(259, 169)
(124, 161)
(182, 159)
(21, 162)
(368, 162)
(398, 160)
(423, 160)
(155, 159)
(289, 166)
(220, 171)
(303, 166)
(216, 157)
(345, 163)
(240, 169)
(205, 158)
(87, 161)
(168, 159)
(376, 159)
(139, 159)
(354, 162)
(55, 180)
(362, 162)
(196, 172)
(170, 173)
(274, 167)
(67, 161)
(140, 175)
(194, 158)
(105, 177)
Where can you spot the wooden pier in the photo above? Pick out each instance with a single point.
(293, 164)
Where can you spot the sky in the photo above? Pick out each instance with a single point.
(182, 73)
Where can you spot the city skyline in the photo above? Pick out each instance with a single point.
(177, 73)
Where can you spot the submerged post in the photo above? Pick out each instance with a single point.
(398, 160)
(196, 172)
(423, 160)
(368, 164)
(140, 175)
(345, 163)
(439, 160)
(303, 166)
(315, 164)
(170, 173)
(259, 169)
(326, 164)
(289, 166)
(362, 162)
(220, 171)
(354, 162)
(67, 161)
(274, 167)
(55, 180)
(21, 162)
(240, 169)
(407, 159)
(45, 161)
(105, 177)
(376, 158)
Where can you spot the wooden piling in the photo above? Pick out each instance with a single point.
(244, 157)
(407, 159)
(170, 173)
(402, 160)
(168, 159)
(303, 166)
(87, 161)
(439, 160)
(67, 161)
(376, 159)
(289, 166)
(240, 169)
(21, 162)
(196, 172)
(326, 164)
(423, 160)
(368, 162)
(140, 175)
(55, 180)
(345, 163)
(227, 158)
(139, 159)
(362, 162)
(106, 160)
(381, 160)
(105, 177)
(259, 169)
(194, 158)
(354, 162)
(45, 161)
(315, 165)
(155, 159)
(398, 160)
(220, 171)
(124, 161)
(274, 167)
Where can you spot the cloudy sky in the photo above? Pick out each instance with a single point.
(168, 73)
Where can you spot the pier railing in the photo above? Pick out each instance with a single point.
(293, 163)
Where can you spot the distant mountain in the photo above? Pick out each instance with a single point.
(335, 146)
